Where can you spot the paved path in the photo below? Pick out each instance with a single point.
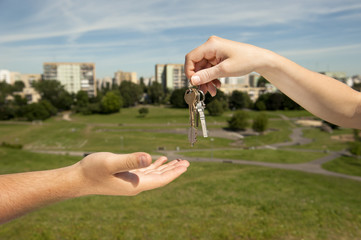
(296, 139)
(310, 167)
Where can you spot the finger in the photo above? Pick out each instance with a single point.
(217, 83)
(203, 88)
(178, 164)
(166, 165)
(212, 89)
(207, 75)
(125, 162)
(200, 65)
(159, 162)
(164, 178)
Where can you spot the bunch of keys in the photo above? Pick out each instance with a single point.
(196, 111)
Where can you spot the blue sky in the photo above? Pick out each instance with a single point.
(323, 35)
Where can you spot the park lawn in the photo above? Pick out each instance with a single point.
(344, 164)
(291, 113)
(323, 141)
(56, 134)
(160, 115)
(279, 131)
(132, 141)
(210, 201)
(259, 155)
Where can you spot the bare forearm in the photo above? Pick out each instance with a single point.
(23, 192)
(99, 173)
(321, 95)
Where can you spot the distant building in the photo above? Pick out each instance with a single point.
(171, 76)
(5, 76)
(148, 81)
(73, 76)
(105, 82)
(31, 95)
(28, 92)
(28, 79)
(121, 76)
(246, 83)
(341, 76)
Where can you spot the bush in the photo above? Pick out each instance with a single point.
(216, 107)
(11, 145)
(355, 148)
(260, 123)
(143, 111)
(239, 121)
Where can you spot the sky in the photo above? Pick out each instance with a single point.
(134, 35)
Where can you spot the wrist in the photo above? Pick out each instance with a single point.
(75, 181)
(268, 61)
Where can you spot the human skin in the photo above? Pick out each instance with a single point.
(321, 95)
(97, 174)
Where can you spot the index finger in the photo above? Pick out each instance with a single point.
(203, 52)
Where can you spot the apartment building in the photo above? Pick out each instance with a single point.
(246, 83)
(121, 76)
(73, 76)
(171, 76)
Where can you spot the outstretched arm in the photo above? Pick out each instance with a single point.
(321, 95)
(98, 173)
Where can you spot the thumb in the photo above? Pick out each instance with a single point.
(126, 162)
(206, 75)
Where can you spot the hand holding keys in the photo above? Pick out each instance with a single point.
(196, 110)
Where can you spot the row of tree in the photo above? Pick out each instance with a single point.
(109, 99)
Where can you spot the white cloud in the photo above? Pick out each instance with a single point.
(334, 49)
(72, 18)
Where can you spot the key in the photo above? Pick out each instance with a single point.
(190, 98)
(200, 109)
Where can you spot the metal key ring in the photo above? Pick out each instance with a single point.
(203, 97)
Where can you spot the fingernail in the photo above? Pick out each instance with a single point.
(195, 80)
(143, 161)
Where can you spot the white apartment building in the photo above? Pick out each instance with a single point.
(171, 76)
(73, 76)
(5, 76)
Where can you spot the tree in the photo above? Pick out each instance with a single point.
(130, 92)
(82, 99)
(37, 111)
(275, 101)
(55, 93)
(239, 100)
(239, 120)
(111, 102)
(272, 101)
(289, 104)
(18, 86)
(82, 102)
(261, 82)
(260, 123)
(156, 93)
(177, 98)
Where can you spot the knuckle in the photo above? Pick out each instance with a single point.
(212, 38)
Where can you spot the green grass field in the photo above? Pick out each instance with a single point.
(347, 165)
(260, 155)
(210, 201)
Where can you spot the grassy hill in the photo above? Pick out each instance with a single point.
(210, 201)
